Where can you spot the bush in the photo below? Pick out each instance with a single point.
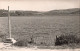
(67, 39)
(21, 43)
(24, 42)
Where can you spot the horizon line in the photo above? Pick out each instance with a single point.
(39, 11)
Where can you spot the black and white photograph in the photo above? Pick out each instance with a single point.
(39, 25)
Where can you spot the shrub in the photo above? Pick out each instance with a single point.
(67, 39)
(24, 42)
(21, 43)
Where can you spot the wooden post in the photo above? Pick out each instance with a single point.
(9, 24)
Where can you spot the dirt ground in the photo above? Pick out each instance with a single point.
(13, 48)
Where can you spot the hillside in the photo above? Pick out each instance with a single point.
(74, 11)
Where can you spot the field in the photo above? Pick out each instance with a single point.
(42, 29)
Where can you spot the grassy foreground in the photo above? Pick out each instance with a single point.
(42, 31)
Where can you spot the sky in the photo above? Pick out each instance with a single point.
(39, 5)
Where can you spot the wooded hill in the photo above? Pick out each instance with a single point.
(74, 11)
